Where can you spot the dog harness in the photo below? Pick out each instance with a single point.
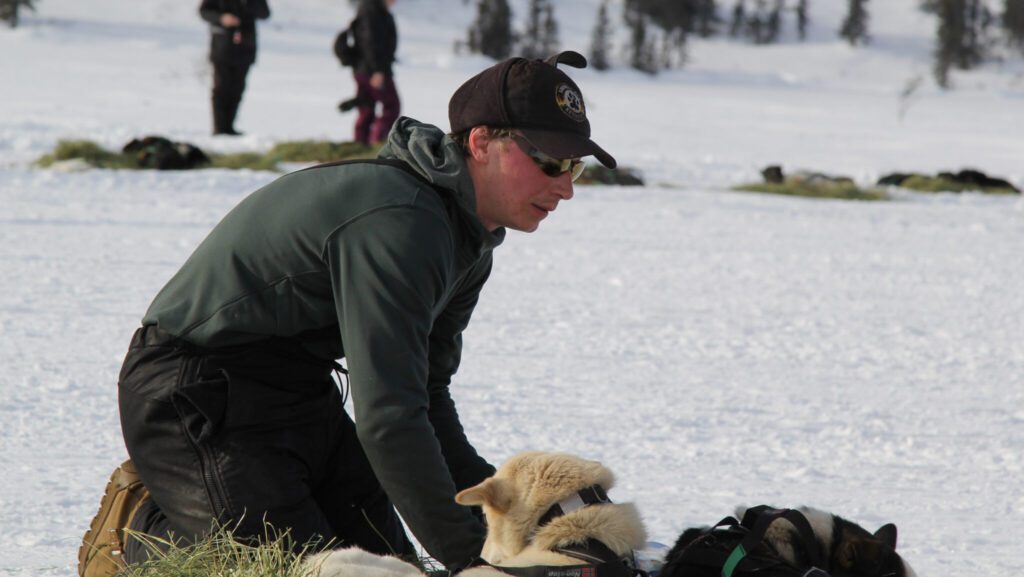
(599, 559)
(592, 495)
(730, 547)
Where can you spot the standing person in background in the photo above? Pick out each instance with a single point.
(376, 39)
(232, 52)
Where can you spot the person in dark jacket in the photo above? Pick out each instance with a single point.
(228, 407)
(376, 40)
(232, 52)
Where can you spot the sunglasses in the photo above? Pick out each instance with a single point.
(551, 166)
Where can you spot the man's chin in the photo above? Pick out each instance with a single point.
(526, 228)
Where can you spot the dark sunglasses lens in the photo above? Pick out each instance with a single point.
(550, 165)
(555, 168)
(552, 169)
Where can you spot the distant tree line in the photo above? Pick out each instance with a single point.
(9, 10)
(658, 30)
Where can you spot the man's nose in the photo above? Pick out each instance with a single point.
(563, 186)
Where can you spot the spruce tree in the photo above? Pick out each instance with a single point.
(977, 40)
(491, 32)
(9, 10)
(652, 50)
(600, 41)
(1013, 22)
(641, 45)
(673, 49)
(739, 18)
(949, 38)
(530, 47)
(549, 38)
(773, 23)
(756, 22)
(706, 18)
(670, 15)
(802, 19)
(855, 26)
(963, 39)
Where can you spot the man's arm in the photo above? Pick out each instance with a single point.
(390, 270)
(467, 467)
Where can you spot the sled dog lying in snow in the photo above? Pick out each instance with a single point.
(551, 509)
(845, 549)
(542, 509)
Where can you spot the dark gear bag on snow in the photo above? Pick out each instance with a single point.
(345, 47)
(736, 549)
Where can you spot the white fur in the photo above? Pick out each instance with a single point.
(354, 562)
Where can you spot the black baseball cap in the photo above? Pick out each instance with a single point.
(534, 97)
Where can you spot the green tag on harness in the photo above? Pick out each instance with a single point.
(734, 559)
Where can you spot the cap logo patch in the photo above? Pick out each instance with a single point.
(570, 102)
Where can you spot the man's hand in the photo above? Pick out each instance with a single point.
(229, 20)
(377, 80)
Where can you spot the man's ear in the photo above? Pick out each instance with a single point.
(479, 137)
(493, 493)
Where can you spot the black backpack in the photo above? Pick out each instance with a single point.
(345, 47)
(734, 549)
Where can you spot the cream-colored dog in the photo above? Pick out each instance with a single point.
(516, 498)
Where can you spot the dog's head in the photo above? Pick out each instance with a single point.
(859, 553)
(522, 490)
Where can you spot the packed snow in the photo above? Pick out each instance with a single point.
(712, 347)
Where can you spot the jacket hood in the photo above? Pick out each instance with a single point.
(437, 157)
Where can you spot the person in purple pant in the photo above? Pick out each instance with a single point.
(376, 39)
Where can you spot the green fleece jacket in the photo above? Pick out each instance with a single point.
(392, 265)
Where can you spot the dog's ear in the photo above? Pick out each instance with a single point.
(494, 493)
(887, 534)
(473, 495)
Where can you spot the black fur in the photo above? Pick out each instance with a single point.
(854, 552)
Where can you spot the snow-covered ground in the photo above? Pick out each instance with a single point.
(713, 348)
